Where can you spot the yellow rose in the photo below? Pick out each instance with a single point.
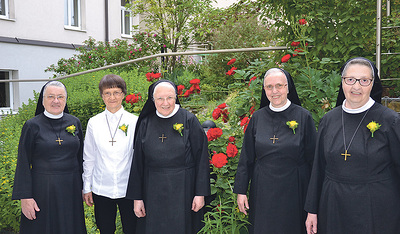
(178, 127)
(293, 125)
(71, 129)
(373, 126)
(124, 128)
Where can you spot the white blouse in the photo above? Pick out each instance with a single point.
(107, 165)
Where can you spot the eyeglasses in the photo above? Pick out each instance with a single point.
(53, 97)
(352, 81)
(277, 86)
(161, 100)
(116, 94)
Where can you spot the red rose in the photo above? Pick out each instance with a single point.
(216, 113)
(231, 139)
(148, 76)
(306, 43)
(156, 75)
(252, 109)
(295, 43)
(285, 58)
(245, 127)
(225, 117)
(132, 98)
(222, 106)
(180, 89)
(302, 21)
(232, 61)
(244, 121)
(214, 133)
(194, 81)
(252, 78)
(219, 160)
(231, 71)
(231, 150)
(187, 93)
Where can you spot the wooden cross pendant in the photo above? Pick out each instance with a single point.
(273, 139)
(162, 137)
(112, 141)
(345, 155)
(59, 141)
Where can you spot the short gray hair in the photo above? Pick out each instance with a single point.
(272, 71)
(57, 84)
(164, 84)
(359, 61)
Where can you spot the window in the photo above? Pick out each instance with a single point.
(72, 16)
(4, 9)
(127, 21)
(5, 90)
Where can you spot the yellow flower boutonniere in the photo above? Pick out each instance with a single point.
(293, 125)
(71, 129)
(124, 128)
(373, 126)
(178, 128)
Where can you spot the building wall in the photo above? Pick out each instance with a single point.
(35, 37)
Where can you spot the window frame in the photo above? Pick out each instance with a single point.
(69, 6)
(133, 20)
(9, 108)
(6, 9)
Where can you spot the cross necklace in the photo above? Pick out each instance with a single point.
(346, 148)
(115, 132)
(273, 129)
(59, 132)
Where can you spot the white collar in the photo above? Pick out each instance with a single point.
(170, 115)
(51, 116)
(280, 109)
(366, 106)
(116, 114)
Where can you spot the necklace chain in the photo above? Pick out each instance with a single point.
(55, 132)
(352, 138)
(109, 129)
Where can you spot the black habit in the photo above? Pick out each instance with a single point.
(362, 193)
(168, 171)
(51, 173)
(279, 172)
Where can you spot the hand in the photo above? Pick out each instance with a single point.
(88, 198)
(138, 207)
(243, 203)
(311, 223)
(29, 207)
(198, 203)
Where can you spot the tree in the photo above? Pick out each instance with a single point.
(170, 19)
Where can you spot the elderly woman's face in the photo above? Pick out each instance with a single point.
(275, 86)
(54, 99)
(164, 99)
(357, 95)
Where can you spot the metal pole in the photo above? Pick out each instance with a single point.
(388, 8)
(153, 56)
(378, 34)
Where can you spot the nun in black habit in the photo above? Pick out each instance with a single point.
(48, 177)
(276, 158)
(170, 170)
(355, 184)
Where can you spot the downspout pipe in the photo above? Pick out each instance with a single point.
(106, 28)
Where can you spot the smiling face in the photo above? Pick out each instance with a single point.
(357, 95)
(113, 97)
(276, 89)
(164, 99)
(54, 99)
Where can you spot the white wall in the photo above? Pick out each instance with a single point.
(44, 20)
(30, 63)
